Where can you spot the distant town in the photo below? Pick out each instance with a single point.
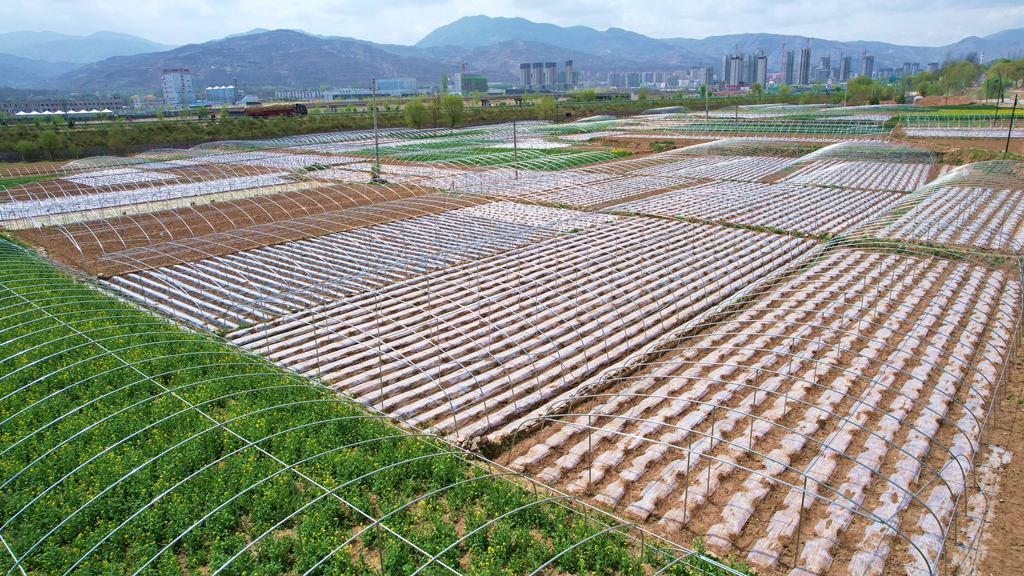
(738, 73)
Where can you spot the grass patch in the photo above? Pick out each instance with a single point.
(19, 180)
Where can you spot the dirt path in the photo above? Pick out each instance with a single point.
(1005, 536)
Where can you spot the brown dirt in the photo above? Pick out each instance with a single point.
(644, 146)
(114, 246)
(1005, 536)
(943, 101)
(958, 150)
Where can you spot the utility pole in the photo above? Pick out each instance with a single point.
(1009, 133)
(375, 171)
(515, 149)
(707, 101)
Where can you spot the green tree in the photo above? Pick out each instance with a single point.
(784, 90)
(115, 143)
(757, 90)
(160, 114)
(642, 94)
(959, 76)
(545, 108)
(444, 82)
(224, 112)
(703, 90)
(202, 112)
(860, 89)
(51, 143)
(416, 115)
(434, 109)
(453, 109)
(29, 150)
(588, 95)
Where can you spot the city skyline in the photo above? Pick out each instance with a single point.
(196, 21)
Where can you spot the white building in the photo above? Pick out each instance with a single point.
(396, 86)
(177, 86)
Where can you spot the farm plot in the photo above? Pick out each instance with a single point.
(807, 209)
(834, 423)
(818, 129)
(465, 350)
(578, 188)
(117, 177)
(960, 216)
(90, 204)
(257, 285)
(861, 174)
(721, 168)
(129, 242)
(277, 160)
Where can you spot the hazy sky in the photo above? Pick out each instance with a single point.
(918, 22)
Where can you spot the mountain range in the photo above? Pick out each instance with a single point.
(274, 59)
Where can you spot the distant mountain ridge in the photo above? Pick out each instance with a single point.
(473, 31)
(16, 72)
(494, 47)
(279, 58)
(53, 47)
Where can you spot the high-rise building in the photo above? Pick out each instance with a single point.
(750, 69)
(569, 80)
(803, 67)
(632, 79)
(826, 62)
(867, 66)
(549, 73)
(761, 71)
(734, 70)
(845, 66)
(617, 79)
(471, 84)
(911, 68)
(702, 75)
(177, 87)
(536, 74)
(933, 67)
(787, 66)
(524, 75)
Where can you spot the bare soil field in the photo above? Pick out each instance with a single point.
(1004, 540)
(959, 150)
(944, 101)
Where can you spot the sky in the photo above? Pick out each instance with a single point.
(912, 22)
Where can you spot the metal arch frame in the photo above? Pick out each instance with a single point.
(985, 286)
(250, 414)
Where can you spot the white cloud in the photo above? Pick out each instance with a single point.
(935, 22)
